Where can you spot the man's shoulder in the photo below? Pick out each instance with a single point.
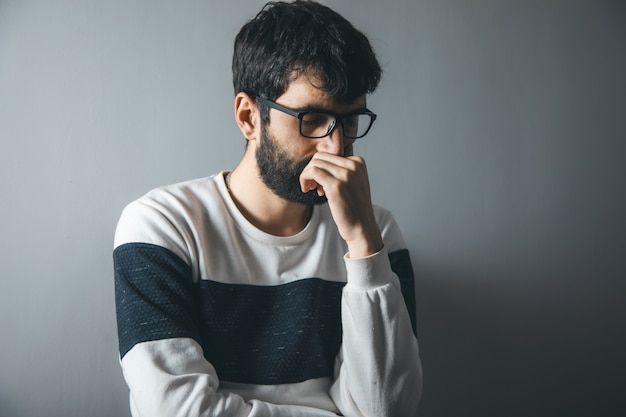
(382, 214)
(198, 188)
(169, 212)
(389, 229)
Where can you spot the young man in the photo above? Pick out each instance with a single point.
(274, 289)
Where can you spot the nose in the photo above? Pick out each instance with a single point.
(334, 142)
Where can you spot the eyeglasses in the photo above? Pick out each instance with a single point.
(318, 124)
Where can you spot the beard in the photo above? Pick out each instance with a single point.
(281, 173)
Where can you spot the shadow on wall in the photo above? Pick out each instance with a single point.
(493, 349)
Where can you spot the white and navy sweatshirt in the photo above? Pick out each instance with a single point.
(217, 318)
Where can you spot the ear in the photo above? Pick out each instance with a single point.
(247, 116)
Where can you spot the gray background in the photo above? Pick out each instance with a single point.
(499, 146)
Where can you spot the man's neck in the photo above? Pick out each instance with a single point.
(262, 207)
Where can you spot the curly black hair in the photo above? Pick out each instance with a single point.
(286, 39)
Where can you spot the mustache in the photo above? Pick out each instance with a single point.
(301, 164)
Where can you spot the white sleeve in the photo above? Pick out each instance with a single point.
(171, 378)
(378, 371)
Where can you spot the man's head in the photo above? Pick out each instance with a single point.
(286, 40)
(309, 58)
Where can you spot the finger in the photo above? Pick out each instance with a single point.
(316, 176)
(338, 169)
(332, 157)
(344, 161)
(341, 167)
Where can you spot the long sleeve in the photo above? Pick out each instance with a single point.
(378, 368)
(173, 379)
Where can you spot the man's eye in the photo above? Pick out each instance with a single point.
(315, 120)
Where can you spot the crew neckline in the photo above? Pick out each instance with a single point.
(258, 234)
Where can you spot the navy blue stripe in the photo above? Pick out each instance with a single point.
(401, 266)
(153, 295)
(272, 335)
(251, 334)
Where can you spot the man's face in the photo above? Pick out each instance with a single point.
(281, 172)
(282, 153)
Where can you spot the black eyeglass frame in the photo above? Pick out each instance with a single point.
(338, 118)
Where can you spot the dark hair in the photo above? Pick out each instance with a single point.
(286, 39)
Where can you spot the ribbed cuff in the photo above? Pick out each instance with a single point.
(368, 272)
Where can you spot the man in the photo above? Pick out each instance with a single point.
(274, 289)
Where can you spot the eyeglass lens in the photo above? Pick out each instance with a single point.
(317, 125)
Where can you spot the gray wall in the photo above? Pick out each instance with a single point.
(500, 147)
